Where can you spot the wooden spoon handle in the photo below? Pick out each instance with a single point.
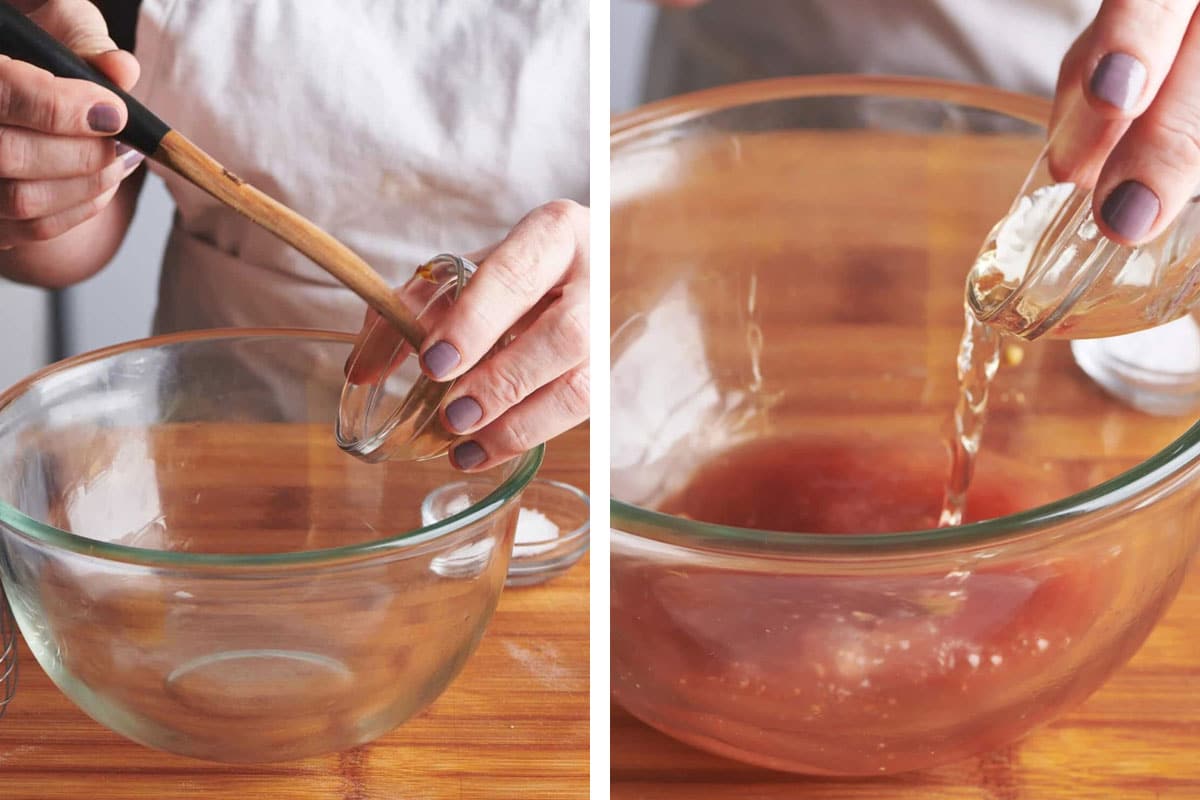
(22, 39)
(178, 154)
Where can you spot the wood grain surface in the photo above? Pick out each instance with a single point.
(514, 724)
(862, 240)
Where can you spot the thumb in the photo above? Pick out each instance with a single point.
(119, 65)
(80, 26)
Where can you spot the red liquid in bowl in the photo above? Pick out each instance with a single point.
(797, 666)
(800, 486)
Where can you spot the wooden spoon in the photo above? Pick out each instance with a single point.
(24, 40)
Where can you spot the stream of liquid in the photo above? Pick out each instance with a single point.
(977, 362)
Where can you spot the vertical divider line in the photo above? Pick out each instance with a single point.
(600, 86)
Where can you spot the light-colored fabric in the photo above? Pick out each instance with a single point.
(1014, 44)
(403, 128)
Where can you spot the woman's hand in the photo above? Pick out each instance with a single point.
(533, 284)
(1127, 114)
(59, 165)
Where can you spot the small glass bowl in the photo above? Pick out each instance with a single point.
(538, 556)
(395, 415)
(1156, 371)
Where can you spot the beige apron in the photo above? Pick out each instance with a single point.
(403, 128)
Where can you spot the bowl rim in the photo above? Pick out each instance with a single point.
(525, 469)
(577, 495)
(1150, 474)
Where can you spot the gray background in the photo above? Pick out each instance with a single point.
(632, 24)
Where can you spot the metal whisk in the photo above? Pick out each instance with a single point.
(8, 655)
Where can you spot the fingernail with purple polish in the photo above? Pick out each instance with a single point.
(463, 413)
(468, 455)
(129, 156)
(441, 359)
(104, 118)
(1118, 80)
(1130, 210)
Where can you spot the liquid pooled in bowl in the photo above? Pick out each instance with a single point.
(772, 646)
(807, 485)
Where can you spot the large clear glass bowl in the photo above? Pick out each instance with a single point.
(788, 267)
(197, 565)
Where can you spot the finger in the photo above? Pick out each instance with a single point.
(81, 27)
(378, 349)
(20, 199)
(29, 154)
(1109, 76)
(120, 66)
(1069, 70)
(33, 98)
(1079, 137)
(553, 409)
(477, 256)
(535, 257)
(1155, 167)
(1130, 52)
(554, 343)
(14, 232)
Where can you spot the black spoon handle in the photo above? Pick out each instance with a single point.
(22, 39)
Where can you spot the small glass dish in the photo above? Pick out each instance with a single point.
(395, 416)
(1156, 371)
(553, 529)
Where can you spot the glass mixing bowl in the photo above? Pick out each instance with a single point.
(788, 267)
(197, 565)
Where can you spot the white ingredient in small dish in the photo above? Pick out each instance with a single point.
(536, 533)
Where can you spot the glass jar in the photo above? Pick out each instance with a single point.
(1046, 269)
(395, 415)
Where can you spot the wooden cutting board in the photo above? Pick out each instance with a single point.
(513, 724)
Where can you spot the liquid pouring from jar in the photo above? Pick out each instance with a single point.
(1047, 270)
